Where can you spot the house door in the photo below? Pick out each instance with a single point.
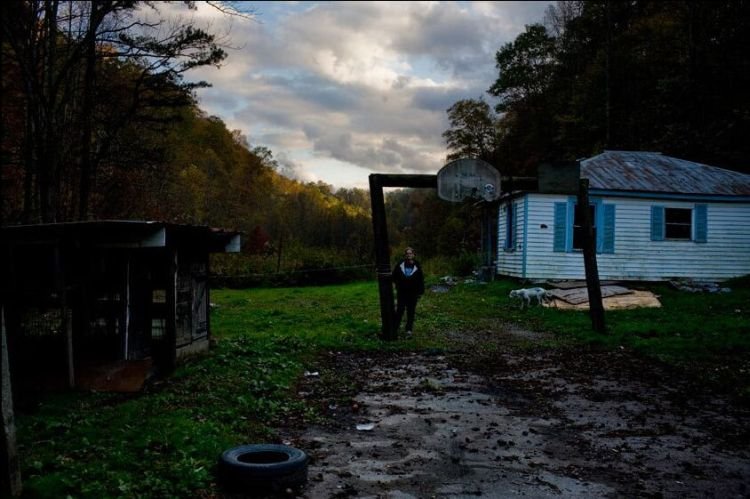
(192, 306)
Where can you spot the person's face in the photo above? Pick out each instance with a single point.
(409, 255)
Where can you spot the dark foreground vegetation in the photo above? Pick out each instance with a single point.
(165, 441)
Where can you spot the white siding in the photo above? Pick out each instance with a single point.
(510, 261)
(725, 254)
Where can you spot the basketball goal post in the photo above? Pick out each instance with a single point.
(458, 180)
(470, 178)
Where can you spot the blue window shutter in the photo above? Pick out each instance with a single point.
(701, 223)
(657, 223)
(570, 223)
(608, 228)
(598, 222)
(561, 229)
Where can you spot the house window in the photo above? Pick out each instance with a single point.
(568, 222)
(678, 223)
(578, 229)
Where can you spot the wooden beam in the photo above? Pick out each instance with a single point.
(67, 316)
(382, 248)
(596, 307)
(170, 333)
(382, 257)
(11, 471)
(415, 181)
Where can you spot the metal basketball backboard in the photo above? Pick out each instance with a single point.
(468, 178)
(559, 178)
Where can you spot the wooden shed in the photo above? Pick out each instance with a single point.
(96, 293)
(655, 218)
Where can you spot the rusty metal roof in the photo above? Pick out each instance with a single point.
(125, 233)
(655, 172)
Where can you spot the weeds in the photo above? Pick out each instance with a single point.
(164, 442)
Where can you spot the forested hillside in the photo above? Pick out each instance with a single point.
(98, 123)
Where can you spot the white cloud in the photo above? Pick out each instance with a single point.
(340, 90)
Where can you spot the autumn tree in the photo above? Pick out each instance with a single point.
(526, 68)
(643, 75)
(60, 48)
(473, 132)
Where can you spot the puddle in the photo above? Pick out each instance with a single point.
(535, 423)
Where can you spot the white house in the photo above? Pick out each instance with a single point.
(655, 218)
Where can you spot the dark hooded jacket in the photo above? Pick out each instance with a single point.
(412, 285)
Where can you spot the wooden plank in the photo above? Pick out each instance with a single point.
(577, 296)
(568, 284)
(635, 299)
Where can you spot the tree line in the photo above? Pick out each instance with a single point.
(98, 123)
(666, 76)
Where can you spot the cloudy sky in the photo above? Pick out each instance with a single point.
(339, 90)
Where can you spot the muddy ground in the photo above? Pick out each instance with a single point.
(489, 418)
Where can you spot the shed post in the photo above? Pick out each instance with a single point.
(10, 472)
(170, 356)
(596, 308)
(67, 320)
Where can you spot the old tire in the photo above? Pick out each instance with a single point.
(262, 468)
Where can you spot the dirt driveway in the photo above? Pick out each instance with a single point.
(495, 420)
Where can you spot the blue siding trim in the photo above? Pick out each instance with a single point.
(561, 230)
(671, 196)
(569, 224)
(657, 223)
(700, 213)
(525, 234)
(608, 229)
(598, 222)
(511, 227)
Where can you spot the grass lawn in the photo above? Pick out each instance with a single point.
(164, 442)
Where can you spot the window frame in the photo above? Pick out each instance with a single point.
(604, 221)
(681, 225)
(699, 221)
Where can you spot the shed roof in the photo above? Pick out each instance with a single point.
(655, 172)
(126, 234)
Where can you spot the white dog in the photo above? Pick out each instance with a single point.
(541, 295)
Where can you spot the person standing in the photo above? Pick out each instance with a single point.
(409, 281)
